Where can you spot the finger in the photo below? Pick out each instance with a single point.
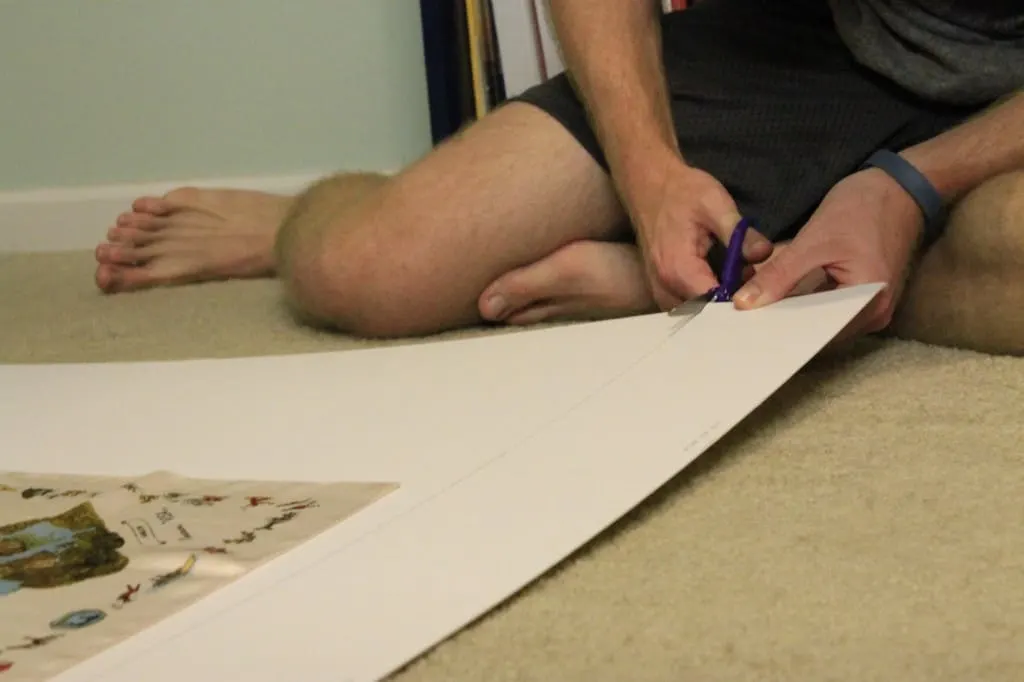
(756, 247)
(665, 299)
(775, 279)
(815, 281)
(680, 267)
(689, 277)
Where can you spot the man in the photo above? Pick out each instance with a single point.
(603, 194)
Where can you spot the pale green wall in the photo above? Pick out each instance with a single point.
(111, 91)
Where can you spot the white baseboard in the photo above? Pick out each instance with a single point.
(70, 219)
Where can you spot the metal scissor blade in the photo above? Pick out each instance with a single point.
(688, 310)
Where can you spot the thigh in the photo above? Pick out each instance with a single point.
(503, 193)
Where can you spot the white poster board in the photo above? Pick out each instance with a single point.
(509, 453)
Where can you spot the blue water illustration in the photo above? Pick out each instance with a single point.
(78, 619)
(39, 538)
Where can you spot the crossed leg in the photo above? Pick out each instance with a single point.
(511, 208)
(968, 289)
(509, 221)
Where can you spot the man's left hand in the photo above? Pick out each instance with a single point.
(866, 230)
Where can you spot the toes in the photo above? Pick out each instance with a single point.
(112, 279)
(131, 236)
(121, 254)
(519, 290)
(141, 221)
(151, 205)
(543, 312)
(168, 203)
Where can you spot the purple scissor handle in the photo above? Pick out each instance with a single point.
(732, 270)
(732, 275)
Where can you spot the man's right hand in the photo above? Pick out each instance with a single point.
(678, 212)
(613, 52)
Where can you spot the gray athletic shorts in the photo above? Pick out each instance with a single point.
(767, 99)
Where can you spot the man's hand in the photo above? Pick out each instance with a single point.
(678, 214)
(866, 230)
(613, 54)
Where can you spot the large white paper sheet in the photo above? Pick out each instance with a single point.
(510, 452)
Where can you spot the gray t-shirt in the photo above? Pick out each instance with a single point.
(967, 52)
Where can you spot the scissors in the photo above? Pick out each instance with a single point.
(732, 276)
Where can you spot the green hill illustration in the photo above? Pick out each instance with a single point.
(59, 550)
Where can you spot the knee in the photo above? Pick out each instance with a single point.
(335, 274)
(326, 276)
(986, 227)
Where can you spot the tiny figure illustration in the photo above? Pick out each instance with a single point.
(205, 500)
(35, 642)
(78, 619)
(215, 550)
(176, 574)
(126, 596)
(146, 498)
(244, 537)
(278, 520)
(131, 487)
(256, 501)
(299, 505)
(171, 497)
(7, 489)
(143, 531)
(73, 493)
(29, 493)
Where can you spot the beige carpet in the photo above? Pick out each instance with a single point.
(864, 525)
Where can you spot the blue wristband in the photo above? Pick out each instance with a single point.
(916, 185)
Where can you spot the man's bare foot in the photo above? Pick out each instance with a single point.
(191, 235)
(585, 280)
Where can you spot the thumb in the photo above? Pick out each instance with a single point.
(776, 278)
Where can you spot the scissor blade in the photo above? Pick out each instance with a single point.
(687, 311)
(693, 306)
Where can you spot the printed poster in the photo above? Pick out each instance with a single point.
(86, 562)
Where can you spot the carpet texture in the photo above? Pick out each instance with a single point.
(865, 524)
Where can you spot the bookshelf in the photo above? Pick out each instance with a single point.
(480, 52)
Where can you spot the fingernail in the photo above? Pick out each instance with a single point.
(495, 307)
(748, 295)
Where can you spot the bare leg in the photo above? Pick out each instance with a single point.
(193, 235)
(584, 280)
(510, 222)
(415, 255)
(968, 290)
